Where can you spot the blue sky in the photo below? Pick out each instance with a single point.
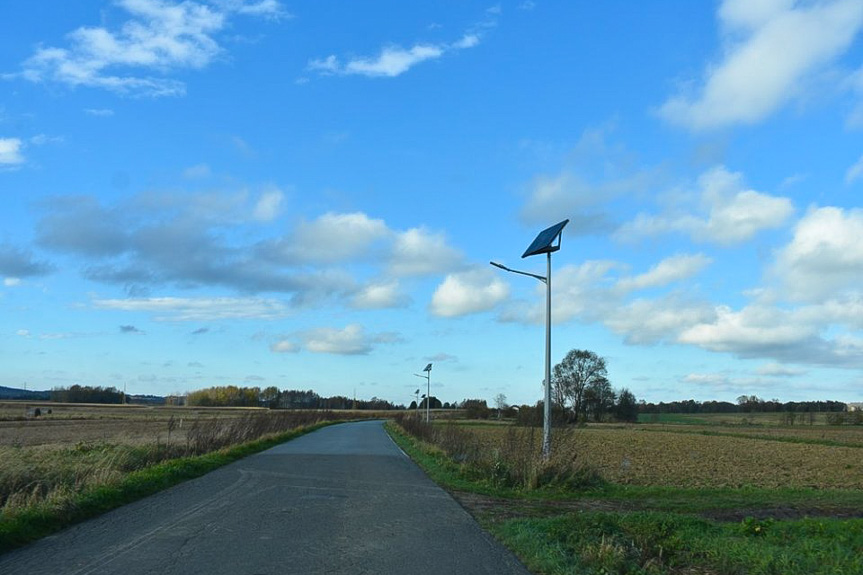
(307, 195)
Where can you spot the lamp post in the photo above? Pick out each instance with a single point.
(544, 244)
(427, 377)
(417, 393)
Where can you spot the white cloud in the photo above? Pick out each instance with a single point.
(727, 213)
(351, 340)
(854, 172)
(646, 321)
(100, 112)
(579, 292)
(159, 37)
(392, 60)
(421, 252)
(747, 331)
(197, 172)
(669, 270)
(198, 309)
(23, 333)
(597, 172)
(771, 48)
(269, 205)
(825, 257)
(779, 370)
(285, 346)
(10, 152)
(468, 292)
(11, 282)
(42, 139)
(333, 237)
(379, 296)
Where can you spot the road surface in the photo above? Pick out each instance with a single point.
(343, 499)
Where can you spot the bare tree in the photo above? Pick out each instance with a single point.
(500, 404)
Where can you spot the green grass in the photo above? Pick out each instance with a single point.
(673, 418)
(21, 527)
(658, 530)
(653, 542)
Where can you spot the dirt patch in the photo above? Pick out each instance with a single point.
(782, 513)
(499, 509)
(494, 509)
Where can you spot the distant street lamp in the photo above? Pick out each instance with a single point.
(544, 244)
(417, 393)
(427, 377)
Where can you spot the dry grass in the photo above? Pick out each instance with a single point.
(51, 458)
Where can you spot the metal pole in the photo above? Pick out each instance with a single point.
(428, 394)
(546, 424)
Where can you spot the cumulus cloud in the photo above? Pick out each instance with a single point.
(787, 336)
(580, 292)
(419, 251)
(379, 296)
(727, 213)
(158, 38)
(672, 269)
(468, 292)
(332, 237)
(10, 152)
(771, 49)
(825, 257)
(350, 340)
(284, 346)
(645, 321)
(185, 241)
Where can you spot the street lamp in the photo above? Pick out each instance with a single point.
(417, 393)
(427, 377)
(544, 244)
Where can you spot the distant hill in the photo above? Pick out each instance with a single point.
(14, 393)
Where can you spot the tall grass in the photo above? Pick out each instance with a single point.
(513, 462)
(54, 475)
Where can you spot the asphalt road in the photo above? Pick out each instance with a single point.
(343, 499)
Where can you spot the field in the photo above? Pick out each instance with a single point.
(715, 458)
(709, 494)
(83, 459)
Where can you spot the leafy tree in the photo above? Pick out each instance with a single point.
(626, 408)
(475, 408)
(579, 370)
(599, 399)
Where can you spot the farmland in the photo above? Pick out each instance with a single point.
(712, 493)
(78, 459)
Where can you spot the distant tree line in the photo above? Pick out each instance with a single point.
(745, 404)
(274, 398)
(86, 394)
